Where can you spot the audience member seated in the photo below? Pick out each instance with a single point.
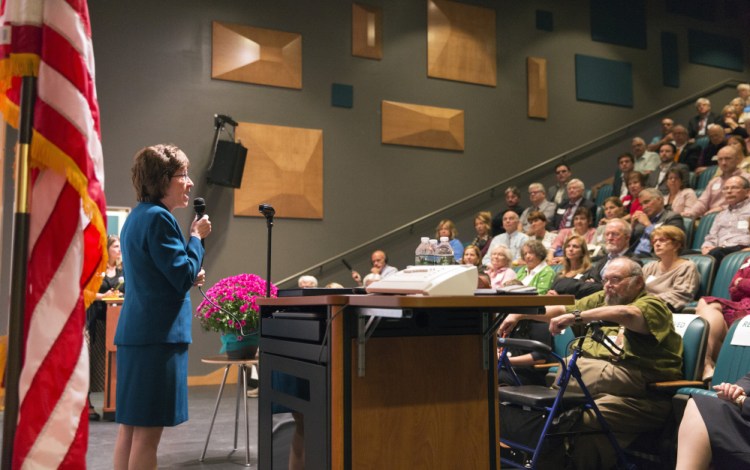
(536, 273)
(499, 268)
(625, 165)
(446, 228)
(307, 281)
(651, 216)
(720, 313)
(482, 226)
(617, 234)
(739, 109)
(666, 135)
(636, 184)
(645, 161)
(613, 209)
(729, 231)
(576, 263)
(557, 193)
(712, 198)
(716, 141)
(743, 93)
(473, 257)
(658, 178)
(740, 146)
(512, 200)
(566, 211)
(538, 203)
(729, 118)
(512, 238)
(679, 197)
(334, 285)
(380, 266)
(673, 279)
(538, 229)
(522, 361)
(581, 226)
(651, 352)
(687, 153)
(698, 124)
(715, 431)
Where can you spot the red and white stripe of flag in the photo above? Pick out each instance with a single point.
(67, 242)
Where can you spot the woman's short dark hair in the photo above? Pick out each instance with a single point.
(536, 215)
(153, 168)
(681, 173)
(584, 211)
(636, 176)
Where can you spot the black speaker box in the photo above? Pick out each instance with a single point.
(228, 164)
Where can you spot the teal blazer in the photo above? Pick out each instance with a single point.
(160, 268)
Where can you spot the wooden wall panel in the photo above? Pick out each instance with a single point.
(367, 31)
(461, 42)
(536, 76)
(422, 126)
(256, 55)
(284, 168)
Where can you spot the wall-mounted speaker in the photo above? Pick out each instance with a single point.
(228, 164)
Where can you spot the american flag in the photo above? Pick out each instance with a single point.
(51, 39)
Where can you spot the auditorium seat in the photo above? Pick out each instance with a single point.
(689, 225)
(603, 193)
(700, 232)
(705, 177)
(729, 266)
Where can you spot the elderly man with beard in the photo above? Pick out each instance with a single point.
(650, 348)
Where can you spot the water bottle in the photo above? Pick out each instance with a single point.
(432, 256)
(422, 251)
(444, 252)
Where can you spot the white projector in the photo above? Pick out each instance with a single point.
(429, 280)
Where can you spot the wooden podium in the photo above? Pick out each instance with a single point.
(110, 358)
(396, 382)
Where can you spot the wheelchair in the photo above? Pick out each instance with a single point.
(545, 414)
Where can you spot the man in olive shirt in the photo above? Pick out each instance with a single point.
(651, 352)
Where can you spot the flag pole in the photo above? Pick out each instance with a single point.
(18, 269)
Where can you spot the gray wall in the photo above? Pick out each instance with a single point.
(154, 84)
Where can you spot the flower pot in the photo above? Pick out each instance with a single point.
(239, 349)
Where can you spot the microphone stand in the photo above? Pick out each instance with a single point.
(269, 223)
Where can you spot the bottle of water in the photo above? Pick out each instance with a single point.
(444, 252)
(422, 252)
(432, 256)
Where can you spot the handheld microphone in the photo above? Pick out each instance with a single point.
(348, 266)
(199, 204)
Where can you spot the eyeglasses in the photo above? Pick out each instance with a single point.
(182, 176)
(561, 172)
(614, 280)
(726, 189)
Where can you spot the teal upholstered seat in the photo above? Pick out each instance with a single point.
(699, 235)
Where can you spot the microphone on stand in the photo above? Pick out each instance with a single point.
(199, 205)
(268, 212)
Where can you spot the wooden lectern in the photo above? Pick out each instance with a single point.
(110, 358)
(396, 382)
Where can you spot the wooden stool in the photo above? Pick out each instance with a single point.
(243, 366)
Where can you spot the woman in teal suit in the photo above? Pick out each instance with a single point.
(153, 332)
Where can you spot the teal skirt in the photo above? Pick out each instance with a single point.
(152, 384)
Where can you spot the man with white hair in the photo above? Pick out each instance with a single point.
(565, 212)
(645, 161)
(538, 202)
(647, 350)
(712, 198)
(698, 124)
